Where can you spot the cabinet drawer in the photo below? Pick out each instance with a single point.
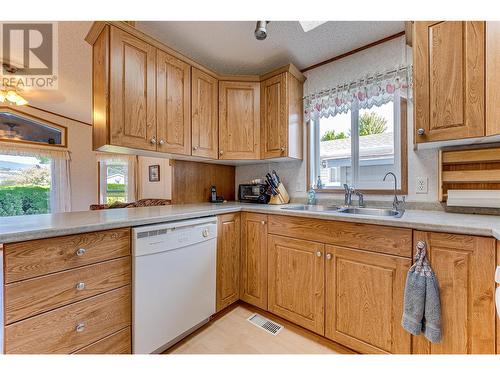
(56, 331)
(24, 260)
(31, 297)
(377, 238)
(117, 343)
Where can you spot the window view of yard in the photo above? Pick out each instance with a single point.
(24, 185)
(113, 182)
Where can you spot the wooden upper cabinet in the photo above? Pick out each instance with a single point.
(493, 78)
(281, 117)
(228, 260)
(204, 115)
(253, 271)
(364, 300)
(465, 269)
(173, 96)
(449, 80)
(132, 91)
(239, 120)
(296, 281)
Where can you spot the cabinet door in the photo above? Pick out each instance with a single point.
(132, 92)
(253, 276)
(274, 116)
(364, 300)
(173, 90)
(204, 115)
(228, 260)
(465, 268)
(498, 311)
(296, 281)
(239, 120)
(449, 83)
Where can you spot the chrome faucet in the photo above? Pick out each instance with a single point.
(348, 194)
(349, 191)
(397, 205)
(361, 200)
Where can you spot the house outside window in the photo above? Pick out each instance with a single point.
(116, 178)
(359, 147)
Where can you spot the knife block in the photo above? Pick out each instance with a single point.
(282, 197)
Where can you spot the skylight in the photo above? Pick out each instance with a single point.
(309, 25)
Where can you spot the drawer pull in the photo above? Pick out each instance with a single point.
(80, 286)
(80, 252)
(329, 256)
(80, 327)
(319, 254)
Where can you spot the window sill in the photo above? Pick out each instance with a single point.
(364, 191)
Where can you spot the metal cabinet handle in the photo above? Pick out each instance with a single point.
(80, 327)
(195, 148)
(263, 222)
(282, 149)
(319, 254)
(80, 286)
(153, 141)
(421, 131)
(329, 256)
(80, 252)
(221, 152)
(161, 142)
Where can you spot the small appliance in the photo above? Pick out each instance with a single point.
(253, 193)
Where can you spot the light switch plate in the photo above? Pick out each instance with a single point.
(421, 185)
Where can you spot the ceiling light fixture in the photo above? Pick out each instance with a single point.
(11, 96)
(261, 30)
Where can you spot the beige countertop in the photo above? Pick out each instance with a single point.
(22, 228)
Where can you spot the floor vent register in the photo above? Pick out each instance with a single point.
(266, 324)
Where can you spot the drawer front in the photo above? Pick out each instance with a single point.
(31, 297)
(118, 343)
(24, 260)
(56, 331)
(377, 238)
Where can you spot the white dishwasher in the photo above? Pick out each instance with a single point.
(173, 287)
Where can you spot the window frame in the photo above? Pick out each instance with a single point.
(101, 180)
(403, 130)
(50, 124)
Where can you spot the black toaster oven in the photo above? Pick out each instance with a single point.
(253, 193)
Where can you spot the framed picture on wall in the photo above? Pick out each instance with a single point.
(154, 173)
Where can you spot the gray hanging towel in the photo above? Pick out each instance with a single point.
(422, 306)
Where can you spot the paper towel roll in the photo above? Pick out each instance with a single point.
(474, 198)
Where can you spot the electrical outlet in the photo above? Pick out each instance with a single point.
(421, 186)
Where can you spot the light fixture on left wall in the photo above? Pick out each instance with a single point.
(11, 95)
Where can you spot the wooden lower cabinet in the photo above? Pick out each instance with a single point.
(228, 260)
(465, 267)
(253, 276)
(72, 327)
(117, 343)
(296, 281)
(364, 300)
(498, 312)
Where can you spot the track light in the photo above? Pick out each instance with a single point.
(261, 30)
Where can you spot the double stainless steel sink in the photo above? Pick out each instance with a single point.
(387, 212)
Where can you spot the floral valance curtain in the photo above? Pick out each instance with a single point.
(366, 92)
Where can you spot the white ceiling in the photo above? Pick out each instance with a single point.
(229, 47)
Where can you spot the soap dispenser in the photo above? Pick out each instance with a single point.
(311, 196)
